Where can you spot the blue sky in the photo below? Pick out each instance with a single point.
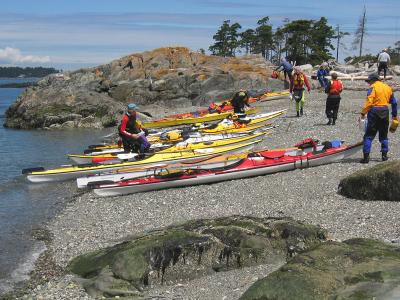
(75, 33)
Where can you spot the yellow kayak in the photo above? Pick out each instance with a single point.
(169, 122)
(39, 174)
(227, 125)
(180, 147)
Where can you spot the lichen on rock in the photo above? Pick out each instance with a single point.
(354, 269)
(193, 249)
(380, 182)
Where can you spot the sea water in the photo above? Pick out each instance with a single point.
(26, 206)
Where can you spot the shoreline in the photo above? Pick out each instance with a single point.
(89, 222)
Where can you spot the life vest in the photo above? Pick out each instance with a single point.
(298, 81)
(336, 87)
(133, 126)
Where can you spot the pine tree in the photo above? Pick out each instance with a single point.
(226, 39)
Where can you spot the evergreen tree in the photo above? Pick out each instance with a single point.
(321, 36)
(247, 40)
(264, 36)
(226, 39)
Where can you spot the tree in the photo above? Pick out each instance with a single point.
(247, 40)
(360, 32)
(339, 35)
(264, 36)
(226, 39)
(320, 41)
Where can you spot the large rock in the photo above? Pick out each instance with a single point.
(380, 182)
(161, 77)
(354, 269)
(197, 248)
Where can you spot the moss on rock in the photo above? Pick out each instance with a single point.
(191, 250)
(354, 269)
(377, 183)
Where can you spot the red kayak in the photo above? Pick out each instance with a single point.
(308, 153)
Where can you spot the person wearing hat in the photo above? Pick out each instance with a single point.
(298, 83)
(131, 132)
(379, 96)
(239, 101)
(383, 62)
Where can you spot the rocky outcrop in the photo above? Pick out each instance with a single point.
(173, 76)
(354, 269)
(380, 182)
(194, 249)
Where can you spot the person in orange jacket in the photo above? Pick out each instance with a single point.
(333, 88)
(379, 96)
(298, 83)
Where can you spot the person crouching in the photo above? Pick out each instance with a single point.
(132, 133)
(333, 88)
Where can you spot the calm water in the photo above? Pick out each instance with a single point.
(25, 206)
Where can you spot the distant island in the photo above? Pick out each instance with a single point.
(18, 72)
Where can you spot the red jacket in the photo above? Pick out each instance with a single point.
(299, 81)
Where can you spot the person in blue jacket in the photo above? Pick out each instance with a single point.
(286, 67)
(321, 74)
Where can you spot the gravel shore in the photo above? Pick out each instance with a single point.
(91, 222)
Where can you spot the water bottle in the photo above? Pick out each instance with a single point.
(362, 124)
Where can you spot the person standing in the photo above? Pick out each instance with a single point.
(322, 73)
(333, 88)
(131, 132)
(298, 84)
(239, 101)
(383, 62)
(379, 96)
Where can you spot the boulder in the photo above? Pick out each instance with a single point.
(308, 69)
(395, 70)
(354, 269)
(152, 77)
(191, 250)
(380, 182)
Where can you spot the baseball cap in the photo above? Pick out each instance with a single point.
(372, 77)
(132, 106)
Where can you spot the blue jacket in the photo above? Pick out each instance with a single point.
(322, 73)
(286, 66)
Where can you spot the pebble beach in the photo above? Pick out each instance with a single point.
(90, 222)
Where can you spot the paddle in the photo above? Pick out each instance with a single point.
(30, 170)
(146, 113)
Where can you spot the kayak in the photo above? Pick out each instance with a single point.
(260, 163)
(174, 136)
(264, 97)
(228, 124)
(39, 174)
(182, 146)
(131, 173)
(170, 122)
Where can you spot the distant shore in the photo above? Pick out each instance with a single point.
(17, 85)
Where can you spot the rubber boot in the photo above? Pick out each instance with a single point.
(365, 160)
(334, 122)
(298, 114)
(301, 111)
(384, 156)
(329, 122)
